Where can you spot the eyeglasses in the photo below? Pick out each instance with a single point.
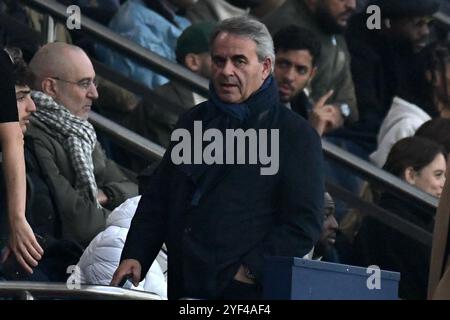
(84, 84)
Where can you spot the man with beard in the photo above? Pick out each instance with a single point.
(385, 63)
(296, 53)
(327, 19)
(325, 246)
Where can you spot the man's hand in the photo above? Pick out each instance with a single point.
(325, 117)
(24, 245)
(241, 275)
(128, 267)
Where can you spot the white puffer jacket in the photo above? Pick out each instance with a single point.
(402, 120)
(102, 256)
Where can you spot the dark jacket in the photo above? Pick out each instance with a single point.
(81, 220)
(232, 215)
(379, 244)
(301, 105)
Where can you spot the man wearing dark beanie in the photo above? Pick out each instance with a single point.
(407, 19)
(383, 59)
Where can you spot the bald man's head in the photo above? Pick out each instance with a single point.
(56, 59)
(65, 73)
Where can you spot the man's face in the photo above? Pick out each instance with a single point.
(329, 229)
(75, 88)
(414, 31)
(236, 71)
(204, 67)
(293, 70)
(333, 15)
(25, 106)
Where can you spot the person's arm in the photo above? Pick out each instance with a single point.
(22, 241)
(81, 219)
(149, 225)
(114, 187)
(323, 117)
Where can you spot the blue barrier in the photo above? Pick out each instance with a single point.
(290, 278)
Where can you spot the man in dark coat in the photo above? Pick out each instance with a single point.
(220, 220)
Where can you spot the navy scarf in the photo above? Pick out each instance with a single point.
(240, 111)
(256, 112)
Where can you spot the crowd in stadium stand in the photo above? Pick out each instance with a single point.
(377, 86)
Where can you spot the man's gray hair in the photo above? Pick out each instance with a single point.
(244, 26)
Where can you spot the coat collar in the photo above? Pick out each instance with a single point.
(262, 107)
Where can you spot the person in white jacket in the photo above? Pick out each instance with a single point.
(101, 258)
(402, 120)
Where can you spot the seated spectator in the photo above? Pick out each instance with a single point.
(324, 248)
(422, 163)
(383, 61)
(40, 211)
(328, 20)
(156, 121)
(153, 24)
(101, 258)
(297, 51)
(84, 183)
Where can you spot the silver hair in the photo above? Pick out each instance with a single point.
(244, 26)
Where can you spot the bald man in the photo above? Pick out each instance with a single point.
(85, 184)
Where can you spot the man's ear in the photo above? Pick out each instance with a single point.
(410, 175)
(192, 62)
(267, 68)
(48, 86)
